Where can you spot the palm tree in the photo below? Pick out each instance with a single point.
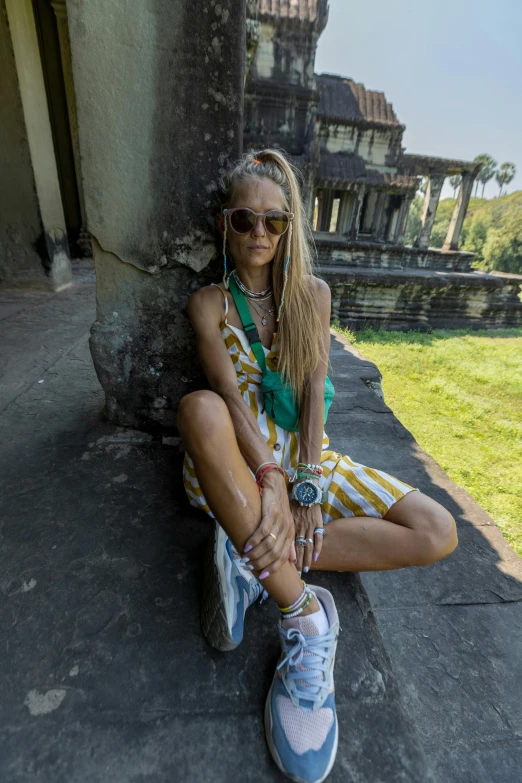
(455, 183)
(487, 171)
(504, 175)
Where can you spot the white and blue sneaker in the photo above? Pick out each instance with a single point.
(300, 717)
(229, 588)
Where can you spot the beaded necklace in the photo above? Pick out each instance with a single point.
(252, 294)
(256, 297)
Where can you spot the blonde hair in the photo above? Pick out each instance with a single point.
(300, 328)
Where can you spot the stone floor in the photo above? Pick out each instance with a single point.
(105, 675)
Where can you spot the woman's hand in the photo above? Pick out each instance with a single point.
(306, 519)
(266, 553)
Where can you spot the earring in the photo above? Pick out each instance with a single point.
(285, 272)
(225, 280)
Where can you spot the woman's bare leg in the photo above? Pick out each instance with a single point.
(415, 531)
(229, 488)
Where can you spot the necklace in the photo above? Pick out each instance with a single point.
(270, 310)
(252, 294)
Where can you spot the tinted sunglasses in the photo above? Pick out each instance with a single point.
(242, 220)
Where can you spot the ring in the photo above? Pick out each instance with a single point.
(309, 540)
(319, 531)
(274, 537)
(300, 540)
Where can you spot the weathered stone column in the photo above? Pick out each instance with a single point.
(359, 195)
(377, 217)
(60, 11)
(459, 212)
(159, 94)
(431, 202)
(34, 250)
(325, 209)
(346, 212)
(402, 222)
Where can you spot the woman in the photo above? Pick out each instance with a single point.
(240, 466)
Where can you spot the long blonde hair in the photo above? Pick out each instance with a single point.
(300, 329)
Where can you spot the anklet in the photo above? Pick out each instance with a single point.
(301, 608)
(296, 603)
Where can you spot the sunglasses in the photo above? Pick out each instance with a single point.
(242, 220)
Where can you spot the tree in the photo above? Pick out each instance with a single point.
(487, 171)
(455, 183)
(414, 220)
(505, 175)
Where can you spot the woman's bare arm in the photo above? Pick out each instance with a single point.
(311, 425)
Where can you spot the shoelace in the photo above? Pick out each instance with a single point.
(295, 644)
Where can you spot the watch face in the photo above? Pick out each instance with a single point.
(307, 493)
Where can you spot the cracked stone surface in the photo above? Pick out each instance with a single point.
(105, 675)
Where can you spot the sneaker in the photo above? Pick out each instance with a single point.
(300, 717)
(229, 588)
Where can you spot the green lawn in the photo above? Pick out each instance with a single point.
(459, 392)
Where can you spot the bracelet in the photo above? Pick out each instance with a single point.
(262, 471)
(262, 466)
(316, 469)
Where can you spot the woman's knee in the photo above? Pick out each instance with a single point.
(442, 538)
(200, 414)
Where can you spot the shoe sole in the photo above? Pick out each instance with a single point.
(275, 754)
(214, 623)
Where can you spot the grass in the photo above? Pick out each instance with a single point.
(459, 392)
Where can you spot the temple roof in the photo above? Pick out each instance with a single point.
(302, 10)
(347, 101)
(341, 169)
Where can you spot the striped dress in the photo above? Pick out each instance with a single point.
(353, 489)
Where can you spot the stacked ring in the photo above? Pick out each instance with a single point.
(300, 540)
(319, 531)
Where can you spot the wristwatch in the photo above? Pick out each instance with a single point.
(307, 493)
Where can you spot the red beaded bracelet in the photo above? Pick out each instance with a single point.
(262, 473)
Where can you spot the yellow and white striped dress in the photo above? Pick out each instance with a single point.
(353, 489)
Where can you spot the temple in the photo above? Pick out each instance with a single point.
(360, 183)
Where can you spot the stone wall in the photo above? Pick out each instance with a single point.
(159, 88)
(375, 255)
(424, 300)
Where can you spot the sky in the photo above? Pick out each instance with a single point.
(451, 68)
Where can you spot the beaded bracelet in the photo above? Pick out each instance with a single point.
(301, 608)
(296, 603)
(316, 469)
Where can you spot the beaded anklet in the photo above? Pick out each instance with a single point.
(298, 606)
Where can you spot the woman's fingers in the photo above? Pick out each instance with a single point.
(307, 556)
(318, 545)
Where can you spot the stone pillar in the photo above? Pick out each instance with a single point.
(159, 94)
(431, 202)
(378, 215)
(325, 209)
(346, 211)
(402, 222)
(34, 249)
(60, 11)
(359, 200)
(459, 212)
